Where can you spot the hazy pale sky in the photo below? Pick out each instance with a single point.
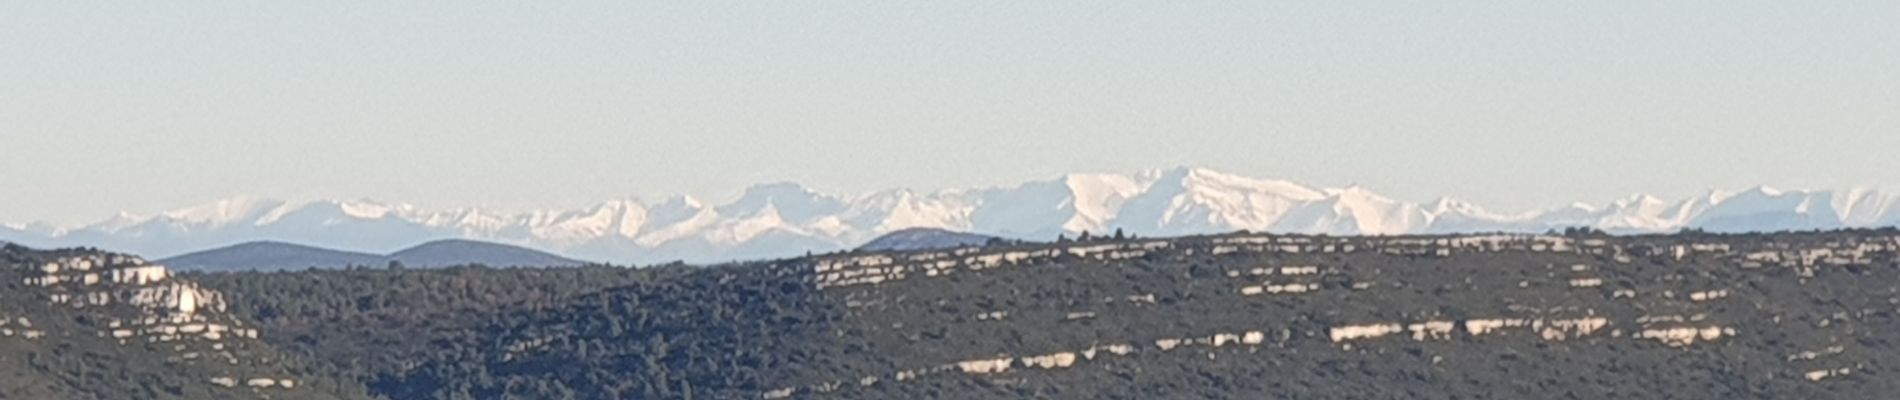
(144, 106)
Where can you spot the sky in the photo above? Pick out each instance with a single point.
(145, 106)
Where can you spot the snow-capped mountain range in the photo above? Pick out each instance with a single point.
(784, 219)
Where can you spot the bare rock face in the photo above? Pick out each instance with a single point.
(124, 328)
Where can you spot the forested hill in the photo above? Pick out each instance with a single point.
(1791, 315)
(86, 324)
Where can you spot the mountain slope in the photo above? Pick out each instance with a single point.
(270, 256)
(783, 219)
(924, 239)
(277, 256)
(444, 253)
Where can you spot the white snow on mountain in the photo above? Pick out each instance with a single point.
(1193, 200)
(784, 219)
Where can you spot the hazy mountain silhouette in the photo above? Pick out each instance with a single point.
(276, 256)
(924, 239)
(461, 252)
(270, 256)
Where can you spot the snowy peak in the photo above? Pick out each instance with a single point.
(1196, 200)
(1766, 208)
(1355, 211)
(623, 218)
(1096, 198)
(896, 210)
(1209, 182)
(790, 200)
(780, 219)
(223, 211)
